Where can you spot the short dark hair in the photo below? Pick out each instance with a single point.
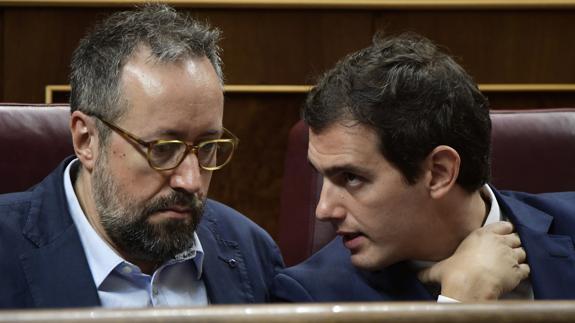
(98, 61)
(415, 97)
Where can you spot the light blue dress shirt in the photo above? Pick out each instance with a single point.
(177, 282)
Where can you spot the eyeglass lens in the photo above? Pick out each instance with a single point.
(209, 154)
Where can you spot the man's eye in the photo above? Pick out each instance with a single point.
(209, 147)
(352, 179)
(165, 149)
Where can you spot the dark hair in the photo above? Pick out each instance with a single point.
(98, 61)
(415, 97)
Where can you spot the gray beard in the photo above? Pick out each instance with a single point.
(126, 221)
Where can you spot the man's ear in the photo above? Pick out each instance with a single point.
(442, 165)
(84, 138)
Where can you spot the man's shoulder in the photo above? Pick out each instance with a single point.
(225, 217)
(333, 257)
(558, 204)
(52, 184)
(541, 197)
(40, 212)
(225, 223)
(15, 207)
(9, 199)
(326, 276)
(552, 213)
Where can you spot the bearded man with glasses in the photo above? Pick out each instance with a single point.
(126, 222)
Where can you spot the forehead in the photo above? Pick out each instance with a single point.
(171, 94)
(344, 144)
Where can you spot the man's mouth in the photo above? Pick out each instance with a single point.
(352, 240)
(174, 212)
(180, 209)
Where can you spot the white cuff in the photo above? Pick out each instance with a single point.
(445, 299)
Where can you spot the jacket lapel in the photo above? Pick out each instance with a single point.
(550, 257)
(58, 274)
(57, 271)
(224, 272)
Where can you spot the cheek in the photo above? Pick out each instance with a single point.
(206, 180)
(133, 175)
(386, 219)
(125, 156)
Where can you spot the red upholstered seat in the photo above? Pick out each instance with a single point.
(33, 140)
(533, 151)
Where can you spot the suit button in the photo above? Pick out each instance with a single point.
(232, 263)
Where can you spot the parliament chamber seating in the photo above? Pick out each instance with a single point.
(532, 151)
(33, 140)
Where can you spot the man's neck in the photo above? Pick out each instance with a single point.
(479, 206)
(467, 212)
(83, 189)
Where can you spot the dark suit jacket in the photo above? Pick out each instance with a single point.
(42, 262)
(545, 223)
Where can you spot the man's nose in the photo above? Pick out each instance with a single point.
(330, 205)
(188, 175)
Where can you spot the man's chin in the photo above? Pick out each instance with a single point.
(368, 262)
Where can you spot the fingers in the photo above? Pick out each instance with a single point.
(520, 255)
(501, 227)
(512, 240)
(428, 275)
(424, 275)
(505, 232)
(523, 270)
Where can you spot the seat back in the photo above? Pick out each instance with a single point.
(532, 151)
(33, 140)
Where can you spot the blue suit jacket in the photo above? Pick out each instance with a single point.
(42, 262)
(545, 223)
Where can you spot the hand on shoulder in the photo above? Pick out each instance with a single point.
(488, 263)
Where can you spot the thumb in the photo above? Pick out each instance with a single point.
(431, 274)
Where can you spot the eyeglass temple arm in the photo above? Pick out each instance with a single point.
(126, 133)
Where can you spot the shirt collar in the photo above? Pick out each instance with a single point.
(494, 214)
(102, 259)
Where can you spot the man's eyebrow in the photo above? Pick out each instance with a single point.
(212, 133)
(338, 169)
(170, 133)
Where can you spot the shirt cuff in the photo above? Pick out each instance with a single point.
(445, 299)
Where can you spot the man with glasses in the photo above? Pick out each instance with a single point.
(126, 222)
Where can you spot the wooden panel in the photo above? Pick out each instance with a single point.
(39, 44)
(287, 46)
(538, 100)
(252, 181)
(510, 46)
(359, 312)
(260, 46)
(294, 46)
(323, 4)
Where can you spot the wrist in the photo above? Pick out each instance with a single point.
(465, 288)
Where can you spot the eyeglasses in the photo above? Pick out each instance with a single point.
(169, 154)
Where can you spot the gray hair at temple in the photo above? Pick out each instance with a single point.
(98, 61)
